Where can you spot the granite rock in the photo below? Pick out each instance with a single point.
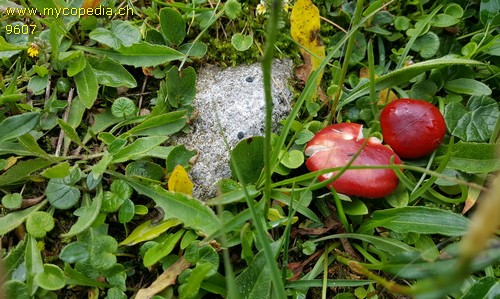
(230, 103)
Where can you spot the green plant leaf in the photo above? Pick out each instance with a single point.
(488, 11)
(58, 171)
(52, 278)
(467, 86)
(197, 50)
(138, 148)
(113, 199)
(189, 210)
(241, 42)
(475, 122)
(12, 201)
(75, 252)
(196, 254)
(404, 75)
(162, 249)
(140, 54)
(355, 207)
(34, 264)
(232, 9)
(14, 219)
(87, 87)
(145, 169)
(160, 125)
(486, 287)
(410, 265)
(123, 107)
(39, 223)
(148, 231)
(127, 211)
(474, 157)
(15, 289)
(427, 45)
(87, 213)
(77, 63)
(192, 286)
(22, 170)
(102, 252)
(293, 159)
(111, 73)
(172, 25)
(18, 125)
(122, 33)
(255, 281)
(179, 156)
(181, 86)
(71, 133)
(61, 193)
(248, 156)
(422, 220)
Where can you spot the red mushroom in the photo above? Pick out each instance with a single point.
(413, 128)
(335, 145)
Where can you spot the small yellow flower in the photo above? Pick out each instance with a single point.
(261, 8)
(33, 50)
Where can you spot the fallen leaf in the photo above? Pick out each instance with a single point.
(179, 181)
(305, 26)
(167, 278)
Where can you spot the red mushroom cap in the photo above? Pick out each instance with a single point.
(335, 145)
(413, 128)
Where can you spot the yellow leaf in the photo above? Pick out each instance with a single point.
(305, 25)
(179, 181)
(385, 96)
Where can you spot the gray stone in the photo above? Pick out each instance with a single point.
(233, 98)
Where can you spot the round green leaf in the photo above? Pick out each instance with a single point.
(427, 45)
(75, 252)
(123, 107)
(401, 23)
(145, 169)
(52, 278)
(308, 247)
(12, 201)
(15, 289)
(232, 8)
(454, 10)
(241, 42)
(355, 207)
(424, 90)
(102, 252)
(443, 20)
(179, 156)
(39, 223)
(120, 191)
(293, 159)
(126, 212)
(141, 210)
(197, 49)
(61, 195)
(399, 198)
(248, 157)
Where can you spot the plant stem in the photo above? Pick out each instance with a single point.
(267, 61)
